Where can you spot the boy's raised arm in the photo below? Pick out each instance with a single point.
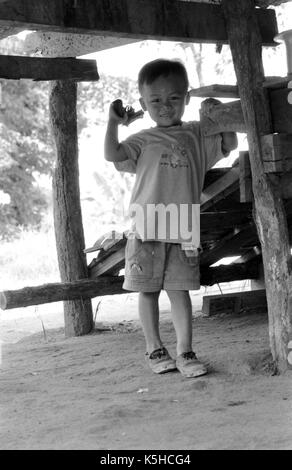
(113, 150)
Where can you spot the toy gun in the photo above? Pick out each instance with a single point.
(132, 115)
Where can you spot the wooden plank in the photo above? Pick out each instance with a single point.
(215, 91)
(281, 110)
(142, 19)
(111, 240)
(245, 181)
(213, 174)
(84, 289)
(255, 300)
(229, 116)
(69, 44)
(220, 188)
(245, 39)
(232, 244)
(231, 91)
(277, 152)
(224, 220)
(16, 67)
(216, 275)
(66, 200)
(110, 264)
(283, 182)
(277, 82)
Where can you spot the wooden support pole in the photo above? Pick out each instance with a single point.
(67, 209)
(270, 217)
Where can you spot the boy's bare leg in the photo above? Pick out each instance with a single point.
(181, 310)
(149, 317)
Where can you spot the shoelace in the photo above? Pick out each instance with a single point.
(157, 354)
(189, 355)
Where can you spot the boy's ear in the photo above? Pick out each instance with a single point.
(188, 97)
(143, 105)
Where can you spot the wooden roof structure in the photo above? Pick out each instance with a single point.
(248, 206)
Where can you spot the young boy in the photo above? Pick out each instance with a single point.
(170, 161)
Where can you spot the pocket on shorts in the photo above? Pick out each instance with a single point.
(139, 259)
(189, 260)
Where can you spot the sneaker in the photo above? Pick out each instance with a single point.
(189, 366)
(160, 361)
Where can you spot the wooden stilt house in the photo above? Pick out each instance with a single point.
(246, 210)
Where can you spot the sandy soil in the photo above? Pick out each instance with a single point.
(95, 391)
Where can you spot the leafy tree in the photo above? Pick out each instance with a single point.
(27, 148)
(94, 98)
(26, 153)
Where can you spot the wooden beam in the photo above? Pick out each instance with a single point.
(232, 244)
(234, 302)
(80, 291)
(142, 19)
(245, 44)
(220, 188)
(67, 208)
(277, 152)
(84, 289)
(283, 179)
(224, 220)
(110, 265)
(229, 273)
(231, 91)
(16, 67)
(229, 116)
(214, 174)
(281, 110)
(69, 44)
(245, 181)
(215, 91)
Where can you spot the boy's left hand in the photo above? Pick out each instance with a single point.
(127, 114)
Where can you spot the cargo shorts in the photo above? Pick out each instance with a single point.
(153, 265)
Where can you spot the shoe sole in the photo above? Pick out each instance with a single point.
(194, 374)
(164, 371)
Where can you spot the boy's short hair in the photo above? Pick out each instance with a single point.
(161, 68)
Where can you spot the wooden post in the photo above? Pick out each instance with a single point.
(67, 210)
(245, 43)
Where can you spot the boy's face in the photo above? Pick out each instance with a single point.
(165, 100)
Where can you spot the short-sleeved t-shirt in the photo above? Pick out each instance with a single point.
(170, 165)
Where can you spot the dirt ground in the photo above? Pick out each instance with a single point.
(95, 391)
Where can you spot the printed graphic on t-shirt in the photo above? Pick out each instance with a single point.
(175, 156)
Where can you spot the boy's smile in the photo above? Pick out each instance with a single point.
(165, 100)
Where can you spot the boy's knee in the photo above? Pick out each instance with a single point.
(149, 295)
(175, 294)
